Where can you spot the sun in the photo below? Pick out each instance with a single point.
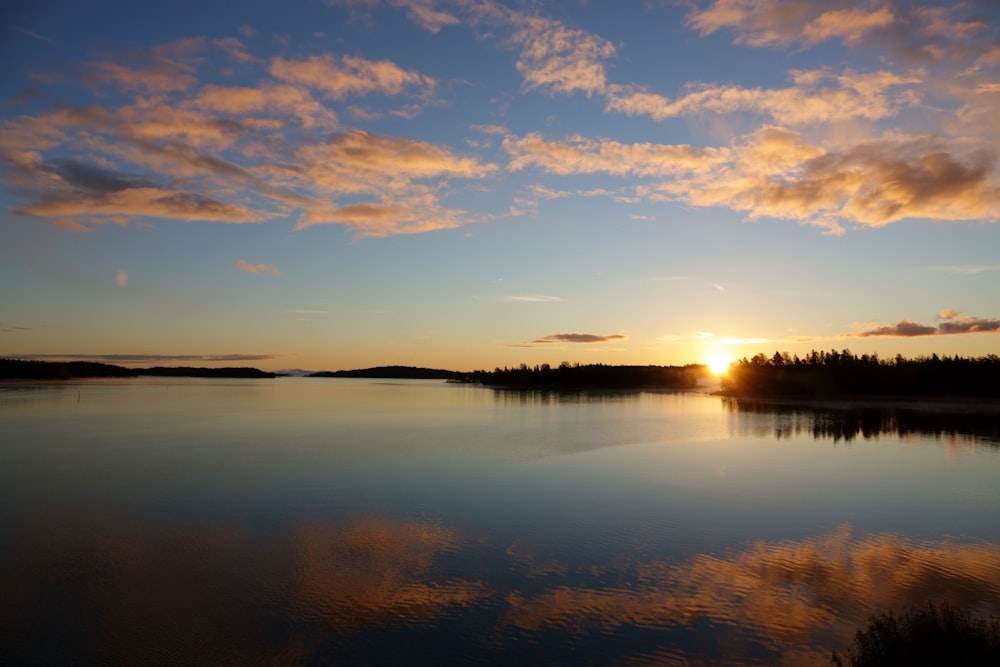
(718, 362)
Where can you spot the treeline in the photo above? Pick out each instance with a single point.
(841, 374)
(590, 376)
(192, 372)
(25, 369)
(396, 372)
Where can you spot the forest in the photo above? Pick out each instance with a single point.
(590, 376)
(843, 374)
(396, 372)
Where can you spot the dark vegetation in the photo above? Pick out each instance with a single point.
(191, 372)
(842, 374)
(396, 372)
(22, 369)
(933, 635)
(591, 376)
(565, 376)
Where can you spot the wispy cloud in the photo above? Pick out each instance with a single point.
(33, 35)
(257, 269)
(853, 95)
(10, 328)
(134, 359)
(530, 298)
(425, 13)
(580, 338)
(951, 324)
(966, 269)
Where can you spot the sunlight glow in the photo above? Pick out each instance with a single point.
(718, 362)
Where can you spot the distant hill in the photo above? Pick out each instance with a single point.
(394, 372)
(25, 369)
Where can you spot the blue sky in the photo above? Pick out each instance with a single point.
(469, 184)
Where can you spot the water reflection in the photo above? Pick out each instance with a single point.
(375, 571)
(970, 424)
(385, 590)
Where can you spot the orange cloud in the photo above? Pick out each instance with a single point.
(556, 58)
(776, 173)
(273, 98)
(349, 75)
(785, 22)
(257, 269)
(579, 155)
(855, 95)
(181, 155)
(142, 201)
(425, 14)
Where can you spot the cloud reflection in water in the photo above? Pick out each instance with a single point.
(386, 590)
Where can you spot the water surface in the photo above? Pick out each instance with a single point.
(335, 521)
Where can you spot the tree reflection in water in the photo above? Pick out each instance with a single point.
(972, 423)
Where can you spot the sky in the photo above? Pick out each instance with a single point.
(469, 184)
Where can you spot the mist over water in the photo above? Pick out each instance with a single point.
(329, 521)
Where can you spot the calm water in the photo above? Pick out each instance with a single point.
(328, 521)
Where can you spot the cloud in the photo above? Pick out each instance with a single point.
(32, 34)
(349, 75)
(235, 49)
(853, 95)
(257, 269)
(425, 14)
(580, 155)
(778, 23)
(905, 329)
(149, 202)
(10, 328)
(180, 150)
(951, 325)
(530, 298)
(579, 338)
(963, 325)
(140, 359)
(774, 172)
(487, 128)
(270, 97)
(121, 278)
(559, 59)
(967, 269)
(160, 70)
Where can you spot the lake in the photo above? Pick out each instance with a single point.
(314, 521)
